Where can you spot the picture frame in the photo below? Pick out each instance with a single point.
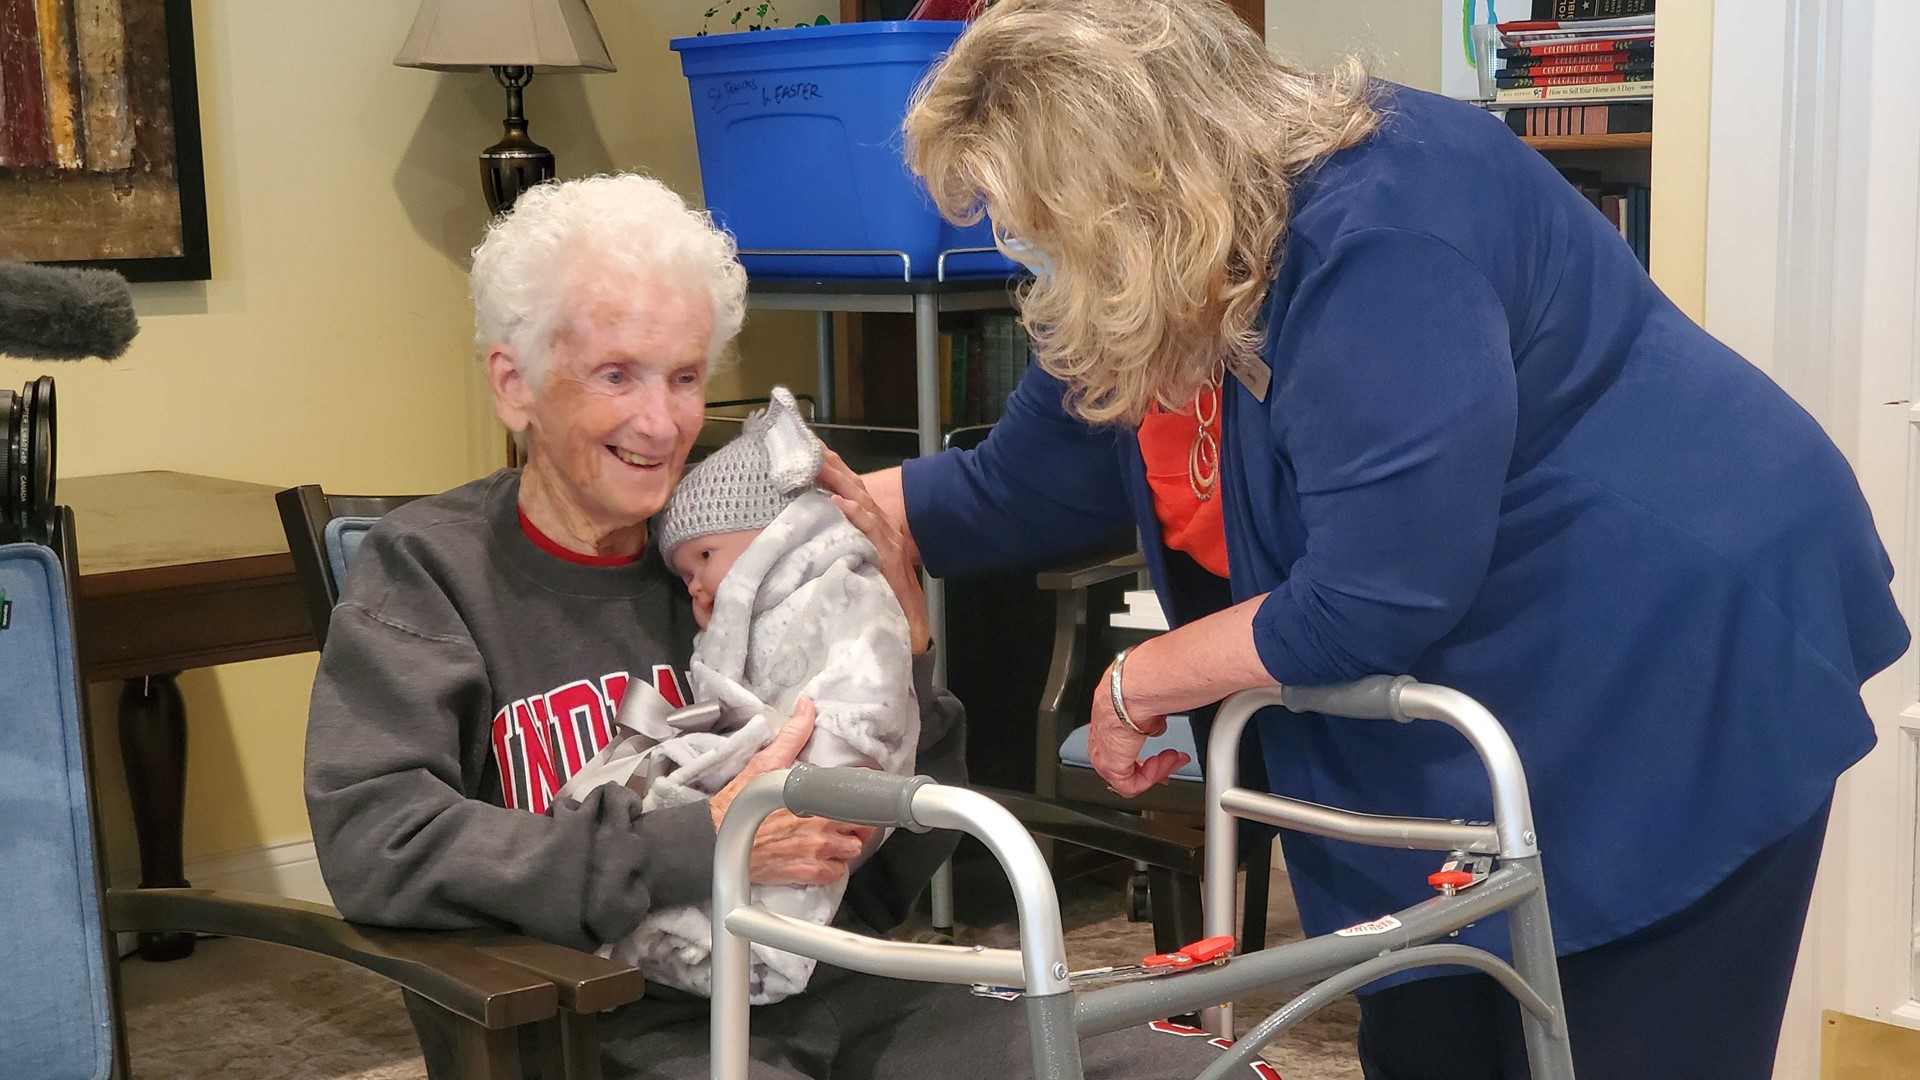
(100, 159)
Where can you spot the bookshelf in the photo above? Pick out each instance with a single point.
(1638, 140)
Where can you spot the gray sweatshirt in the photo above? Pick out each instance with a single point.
(467, 675)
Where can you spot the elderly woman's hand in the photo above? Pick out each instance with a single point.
(790, 850)
(898, 557)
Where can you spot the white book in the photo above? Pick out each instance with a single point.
(1579, 92)
(1143, 612)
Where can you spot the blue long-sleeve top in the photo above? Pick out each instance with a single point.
(1496, 457)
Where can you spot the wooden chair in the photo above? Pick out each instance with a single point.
(323, 532)
(59, 1004)
(1086, 594)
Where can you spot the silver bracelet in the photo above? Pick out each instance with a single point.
(1120, 706)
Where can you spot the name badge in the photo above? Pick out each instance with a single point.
(1256, 376)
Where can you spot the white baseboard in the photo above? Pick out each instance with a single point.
(289, 870)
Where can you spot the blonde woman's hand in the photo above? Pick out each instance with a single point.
(899, 558)
(1114, 748)
(789, 850)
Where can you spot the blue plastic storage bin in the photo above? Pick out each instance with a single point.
(799, 138)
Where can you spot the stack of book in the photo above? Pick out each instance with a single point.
(980, 365)
(1578, 57)
(1625, 206)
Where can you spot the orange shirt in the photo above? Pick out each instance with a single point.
(1186, 523)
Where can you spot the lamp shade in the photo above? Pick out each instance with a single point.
(473, 35)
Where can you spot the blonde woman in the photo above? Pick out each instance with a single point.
(1382, 393)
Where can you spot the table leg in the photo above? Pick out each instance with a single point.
(153, 744)
(823, 393)
(926, 367)
(926, 357)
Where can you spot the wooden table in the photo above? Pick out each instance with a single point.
(176, 571)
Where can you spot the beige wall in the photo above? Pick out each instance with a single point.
(1681, 115)
(332, 345)
(1399, 38)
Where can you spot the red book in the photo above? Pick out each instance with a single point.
(1518, 58)
(1506, 81)
(1602, 68)
(23, 101)
(1624, 24)
(1524, 49)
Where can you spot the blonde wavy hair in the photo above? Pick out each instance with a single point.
(1144, 151)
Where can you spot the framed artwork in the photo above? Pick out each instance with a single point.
(100, 137)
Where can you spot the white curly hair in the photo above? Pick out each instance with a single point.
(617, 223)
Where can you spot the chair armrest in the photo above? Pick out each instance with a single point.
(1089, 571)
(433, 964)
(586, 983)
(1156, 842)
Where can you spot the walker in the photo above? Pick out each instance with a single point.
(1489, 868)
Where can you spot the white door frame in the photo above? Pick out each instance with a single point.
(1813, 215)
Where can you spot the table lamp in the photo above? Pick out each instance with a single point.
(515, 38)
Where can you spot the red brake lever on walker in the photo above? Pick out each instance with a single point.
(1205, 951)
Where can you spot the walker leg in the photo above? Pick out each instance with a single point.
(1253, 905)
(940, 899)
(1549, 1053)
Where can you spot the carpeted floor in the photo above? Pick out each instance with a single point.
(239, 1009)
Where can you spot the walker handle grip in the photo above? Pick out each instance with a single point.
(1376, 697)
(859, 796)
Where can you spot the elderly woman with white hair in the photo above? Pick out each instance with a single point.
(1383, 393)
(486, 636)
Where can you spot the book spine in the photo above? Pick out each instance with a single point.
(957, 378)
(1508, 81)
(1583, 67)
(993, 393)
(1535, 52)
(1531, 58)
(1596, 9)
(1014, 355)
(946, 379)
(1022, 355)
(976, 377)
(1579, 28)
(1582, 91)
(1646, 227)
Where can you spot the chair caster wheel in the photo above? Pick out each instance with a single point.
(933, 936)
(1139, 900)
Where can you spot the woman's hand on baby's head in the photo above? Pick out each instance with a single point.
(897, 556)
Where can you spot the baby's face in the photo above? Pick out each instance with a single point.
(702, 563)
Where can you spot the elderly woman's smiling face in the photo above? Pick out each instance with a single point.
(613, 415)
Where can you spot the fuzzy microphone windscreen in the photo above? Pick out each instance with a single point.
(64, 313)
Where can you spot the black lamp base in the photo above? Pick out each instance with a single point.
(516, 162)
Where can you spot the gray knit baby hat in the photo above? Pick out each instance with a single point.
(748, 482)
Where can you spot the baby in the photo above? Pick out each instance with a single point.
(791, 603)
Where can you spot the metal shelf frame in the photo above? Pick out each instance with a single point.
(926, 300)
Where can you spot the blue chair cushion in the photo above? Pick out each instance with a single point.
(1178, 736)
(54, 1019)
(343, 536)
